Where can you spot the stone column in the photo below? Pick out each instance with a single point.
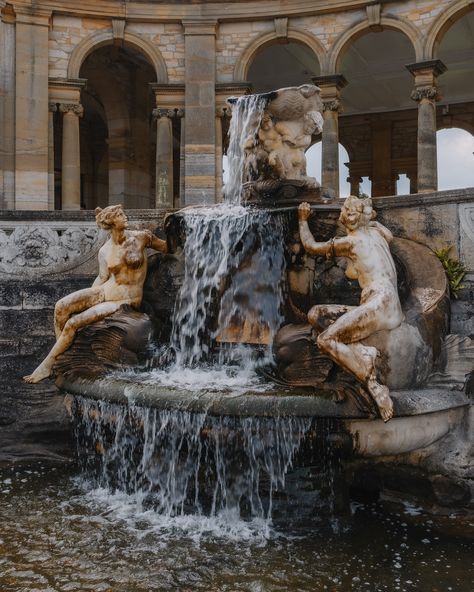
(330, 94)
(355, 181)
(182, 144)
(164, 158)
(52, 110)
(382, 178)
(221, 112)
(31, 110)
(7, 108)
(71, 157)
(426, 94)
(200, 133)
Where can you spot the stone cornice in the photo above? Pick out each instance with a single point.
(205, 11)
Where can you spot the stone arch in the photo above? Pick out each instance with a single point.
(444, 21)
(457, 123)
(363, 27)
(243, 64)
(101, 38)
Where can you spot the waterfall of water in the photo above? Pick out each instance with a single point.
(180, 463)
(234, 264)
(234, 261)
(247, 112)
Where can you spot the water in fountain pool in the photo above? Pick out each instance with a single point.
(58, 536)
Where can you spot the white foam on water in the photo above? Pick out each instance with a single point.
(128, 510)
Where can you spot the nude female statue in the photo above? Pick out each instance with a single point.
(122, 272)
(371, 263)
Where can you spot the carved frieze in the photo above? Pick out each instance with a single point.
(41, 249)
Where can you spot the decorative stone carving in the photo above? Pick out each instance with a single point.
(75, 108)
(42, 249)
(276, 154)
(52, 107)
(158, 113)
(425, 92)
(340, 329)
(122, 272)
(223, 112)
(334, 105)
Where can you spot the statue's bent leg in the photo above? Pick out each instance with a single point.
(321, 316)
(341, 343)
(89, 316)
(74, 303)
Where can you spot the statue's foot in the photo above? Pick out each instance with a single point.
(381, 396)
(39, 374)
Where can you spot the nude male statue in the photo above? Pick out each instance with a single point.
(370, 262)
(122, 272)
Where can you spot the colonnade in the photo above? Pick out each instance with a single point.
(201, 178)
(424, 178)
(198, 104)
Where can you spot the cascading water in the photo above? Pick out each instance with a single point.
(183, 464)
(234, 264)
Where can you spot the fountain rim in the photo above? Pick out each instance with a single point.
(295, 402)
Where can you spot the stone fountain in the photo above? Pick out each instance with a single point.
(346, 324)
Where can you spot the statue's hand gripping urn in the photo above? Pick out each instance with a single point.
(366, 246)
(122, 272)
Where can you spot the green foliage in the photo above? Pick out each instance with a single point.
(454, 269)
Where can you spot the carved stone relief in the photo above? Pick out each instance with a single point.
(39, 249)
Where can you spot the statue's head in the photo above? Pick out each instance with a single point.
(111, 217)
(356, 212)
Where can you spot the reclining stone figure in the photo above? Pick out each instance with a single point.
(366, 245)
(122, 272)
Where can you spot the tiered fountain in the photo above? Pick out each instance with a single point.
(208, 412)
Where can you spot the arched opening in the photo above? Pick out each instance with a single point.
(118, 139)
(379, 121)
(456, 107)
(455, 148)
(282, 64)
(313, 166)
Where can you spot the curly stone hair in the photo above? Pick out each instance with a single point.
(105, 217)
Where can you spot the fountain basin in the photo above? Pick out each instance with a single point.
(422, 416)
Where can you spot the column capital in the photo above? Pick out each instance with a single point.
(332, 105)
(75, 108)
(338, 81)
(433, 67)
(8, 14)
(222, 111)
(158, 113)
(425, 92)
(52, 107)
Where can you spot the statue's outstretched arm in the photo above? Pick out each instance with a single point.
(158, 244)
(331, 248)
(103, 272)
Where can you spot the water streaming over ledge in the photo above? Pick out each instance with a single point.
(180, 464)
(177, 464)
